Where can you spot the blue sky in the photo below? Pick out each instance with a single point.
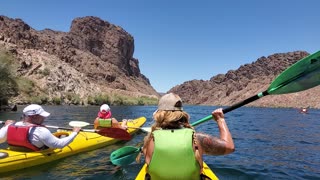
(178, 41)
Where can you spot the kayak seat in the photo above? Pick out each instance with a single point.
(3, 155)
(61, 134)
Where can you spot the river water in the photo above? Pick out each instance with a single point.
(271, 143)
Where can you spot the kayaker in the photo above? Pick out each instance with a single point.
(304, 110)
(173, 150)
(105, 119)
(31, 134)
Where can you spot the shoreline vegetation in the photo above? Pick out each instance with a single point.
(99, 99)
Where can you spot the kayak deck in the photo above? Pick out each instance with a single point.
(11, 160)
(206, 171)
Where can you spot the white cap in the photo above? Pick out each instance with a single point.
(35, 109)
(104, 107)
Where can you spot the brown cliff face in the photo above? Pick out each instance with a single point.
(93, 57)
(248, 80)
(97, 57)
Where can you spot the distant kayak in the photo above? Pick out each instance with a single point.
(206, 171)
(11, 160)
(304, 110)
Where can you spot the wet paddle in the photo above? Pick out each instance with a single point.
(125, 155)
(79, 124)
(301, 76)
(116, 133)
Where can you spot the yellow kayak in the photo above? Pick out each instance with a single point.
(206, 171)
(85, 141)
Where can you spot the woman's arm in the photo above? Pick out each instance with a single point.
(217, 146)
(212, 145)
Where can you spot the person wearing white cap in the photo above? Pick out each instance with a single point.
(30, 134)
(174, 149)
(104, 119)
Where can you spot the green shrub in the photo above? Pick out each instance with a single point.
(91, 100)
(57, 100)
(8, 84)
(101, 99)
(147, 100)
(76, 99)
(25, 85)
(34, 100)
(140, 102)
(117, 99)
(44, 99)
(73, 98)
(41, 99)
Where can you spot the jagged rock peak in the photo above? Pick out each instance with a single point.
(99, 52)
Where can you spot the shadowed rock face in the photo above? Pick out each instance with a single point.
(248, 80)
(94, 56)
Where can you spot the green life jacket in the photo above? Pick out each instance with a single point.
(105, 122)
(173, 156)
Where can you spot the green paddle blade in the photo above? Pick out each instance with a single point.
(302, 75)
(124, 156)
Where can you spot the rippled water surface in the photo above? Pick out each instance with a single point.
(270, 144)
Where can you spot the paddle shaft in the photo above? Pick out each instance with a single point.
(132, 127)
(247, 101)
(70, 129)
(116, 133)
(233, 107)
(62, 128)
(82, 124)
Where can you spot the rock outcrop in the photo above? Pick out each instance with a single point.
(248, 80)
(94, 57)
